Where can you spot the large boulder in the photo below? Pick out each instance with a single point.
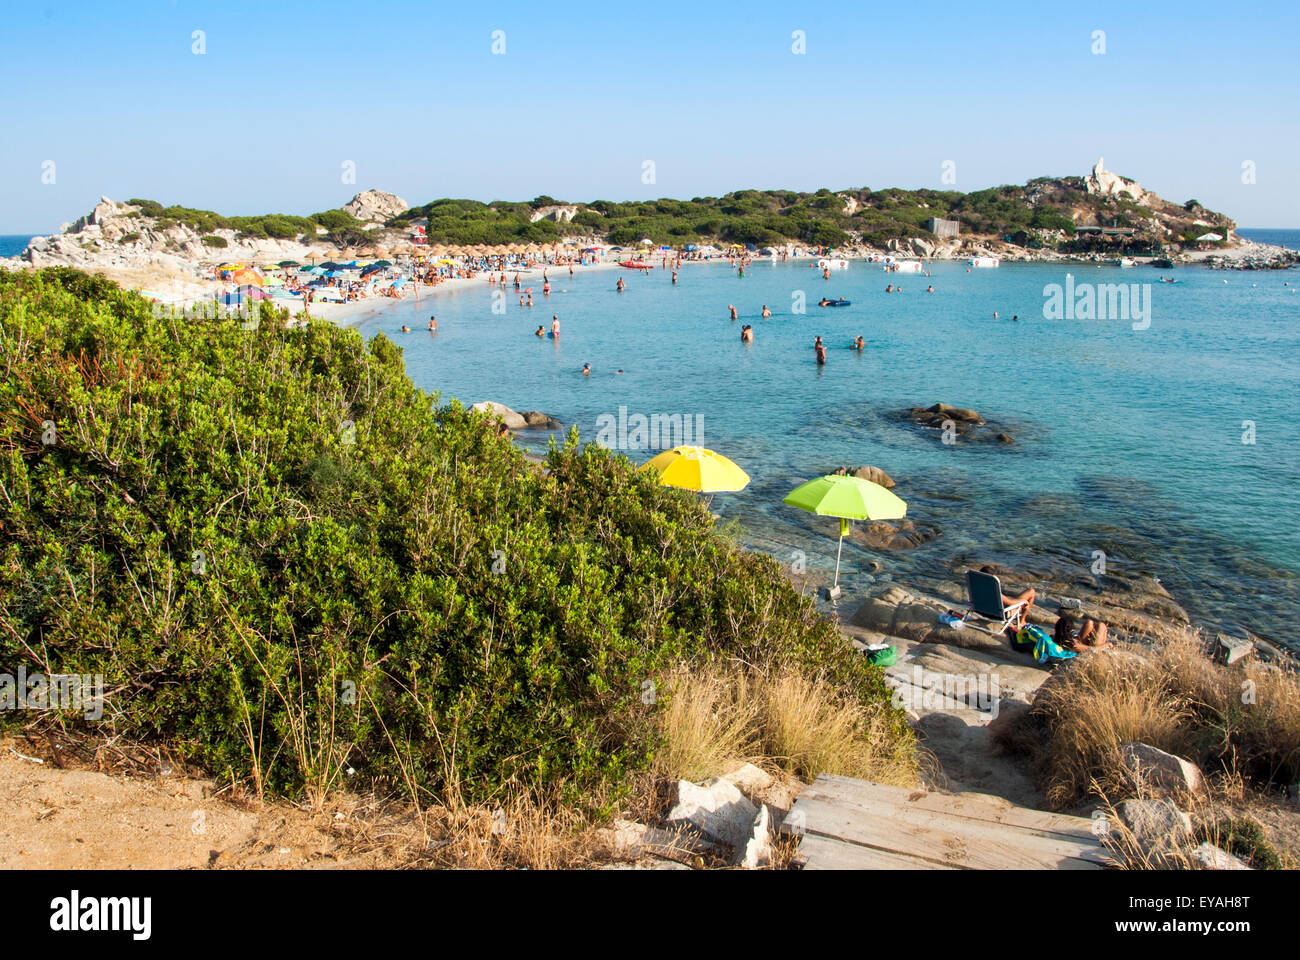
(513, 420)
(537, 420)
(874, 474)
(1157, 770)
(717, 809)
(1156, 824)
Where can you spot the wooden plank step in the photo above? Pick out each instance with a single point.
(950, 841)
(970, 806)
(827, 853)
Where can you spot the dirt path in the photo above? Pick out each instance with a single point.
(955, 730)
(58, 818)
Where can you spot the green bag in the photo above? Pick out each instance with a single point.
(885, 657)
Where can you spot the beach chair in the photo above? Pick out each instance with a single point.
(985, 594)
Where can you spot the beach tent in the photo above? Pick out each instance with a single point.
(1209, 236)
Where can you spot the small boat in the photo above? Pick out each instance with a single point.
(826, 264)
(984, 261)
(636, 265)
(1126, 261)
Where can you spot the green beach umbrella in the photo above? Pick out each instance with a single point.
(849, 498)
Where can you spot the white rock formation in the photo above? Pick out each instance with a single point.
(560, 213)
(1104, 183)
(375, 206)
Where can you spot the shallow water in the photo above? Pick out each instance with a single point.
(1128, 441)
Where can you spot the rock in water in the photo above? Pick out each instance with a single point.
(514, 421)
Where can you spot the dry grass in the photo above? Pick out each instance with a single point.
(718, 718)
(1242, 720)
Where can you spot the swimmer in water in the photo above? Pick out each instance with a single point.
(586, 369)
(859, 343)
(540, 331)
(766, 312)
(674, 276)
(995, 314)
(405, 329)
(820, 350)
(930, 288)
(889, 288)
(734, 315)
(530, 299)
(621, 285)
(747, 334)
(433, 323)
(823, 302)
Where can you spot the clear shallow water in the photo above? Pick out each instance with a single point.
(1126, 441)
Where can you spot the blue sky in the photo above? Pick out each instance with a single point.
(412, 94)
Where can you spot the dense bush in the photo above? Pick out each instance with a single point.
(212, 240)
(289, 563)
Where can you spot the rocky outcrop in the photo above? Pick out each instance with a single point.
(1101, 182)
(529, 419)
(375, 206)
(903, 535)
(956, 422)
(874, 474)
(560, 213)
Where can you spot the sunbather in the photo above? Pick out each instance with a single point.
(1080, 637)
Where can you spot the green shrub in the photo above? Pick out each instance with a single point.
(1244, 838)
(212, 240)
(289, 563)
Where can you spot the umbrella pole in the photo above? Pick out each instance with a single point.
(838, 554)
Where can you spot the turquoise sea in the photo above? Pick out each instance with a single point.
(1128, 441)
(13, 244)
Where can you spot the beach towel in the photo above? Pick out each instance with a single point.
(1047, 650)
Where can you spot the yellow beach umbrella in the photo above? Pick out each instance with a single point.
(698, 469)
